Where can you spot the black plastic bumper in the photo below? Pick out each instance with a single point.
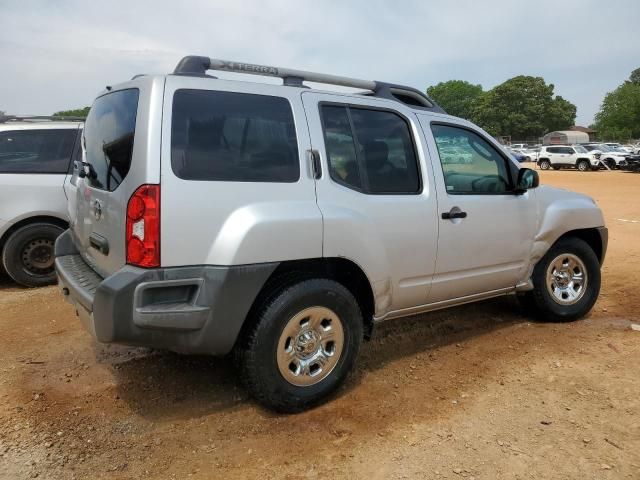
(197, 309)
(604, 240)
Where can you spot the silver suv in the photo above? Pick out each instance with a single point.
(36, 156)
(282, 223)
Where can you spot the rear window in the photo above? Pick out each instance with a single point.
(370, 150)
(234, 137)
(108, 138)
(36, 151)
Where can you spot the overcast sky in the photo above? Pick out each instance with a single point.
(58, 54)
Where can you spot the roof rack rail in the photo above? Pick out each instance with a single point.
(38, 118)
(198, 66)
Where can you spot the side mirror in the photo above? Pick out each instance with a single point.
(527, 179)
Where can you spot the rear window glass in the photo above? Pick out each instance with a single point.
(235, 137)
(370, 150)
(108, 138)
(36, 151)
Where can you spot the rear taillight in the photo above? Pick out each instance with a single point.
(143, 227)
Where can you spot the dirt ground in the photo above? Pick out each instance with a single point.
(473, 392)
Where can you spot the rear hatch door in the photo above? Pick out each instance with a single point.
(113, 165)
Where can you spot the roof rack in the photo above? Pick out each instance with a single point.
(38, 118)
(198, 66)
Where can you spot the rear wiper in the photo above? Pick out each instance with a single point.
(83, 172)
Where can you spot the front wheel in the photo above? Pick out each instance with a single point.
(303, 342)
(566, 282)
(544, 164)
(584, 166)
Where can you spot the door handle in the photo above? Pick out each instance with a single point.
(452, 214)
(314, 155)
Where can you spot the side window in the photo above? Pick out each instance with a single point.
(370, 150)
(36, 151)
(340, 146)
(568, 150)
(234, 137)
(553, 150)
(470, 164)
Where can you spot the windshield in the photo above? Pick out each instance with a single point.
(108, 138)
(580, 149)
(603, 148)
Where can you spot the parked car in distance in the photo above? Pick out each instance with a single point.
(567, 156)
(284, 222)
(612, 157)
(517, 155)
(35, 164)
(531, 154)
(518, 146)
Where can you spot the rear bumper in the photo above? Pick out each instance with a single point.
(196, 310)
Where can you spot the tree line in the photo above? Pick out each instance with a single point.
(525, 107)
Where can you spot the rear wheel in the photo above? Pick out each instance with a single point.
(583, 166)
(28, 256)
(544, 164)
(302, 344)
(566, 282)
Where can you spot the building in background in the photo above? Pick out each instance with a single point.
(564, 137)
(589, 131)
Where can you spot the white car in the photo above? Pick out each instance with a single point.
(35, 166)
(567, 156)
(612, 157)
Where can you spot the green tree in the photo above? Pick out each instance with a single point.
(457, 97)
(619, 115)
(561, 114)
(523, 107)
(635, 76)
(78, 112)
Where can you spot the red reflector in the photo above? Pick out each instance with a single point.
(135, 250)
(135, 209)
(143, 227)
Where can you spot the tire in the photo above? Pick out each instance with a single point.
(544, 164)
(552, 307)
(555, 167)
(280, 355)
(583, 165)
(611, 164)
(28, 257)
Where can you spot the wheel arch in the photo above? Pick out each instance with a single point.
(30, 220)
(342, 270)
(591, 236)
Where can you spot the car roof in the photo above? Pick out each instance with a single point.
(139, 80)
(41, 125)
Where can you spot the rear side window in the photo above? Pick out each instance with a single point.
(233, 137)
(36, 151)
(108, 138)
(370, 150)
